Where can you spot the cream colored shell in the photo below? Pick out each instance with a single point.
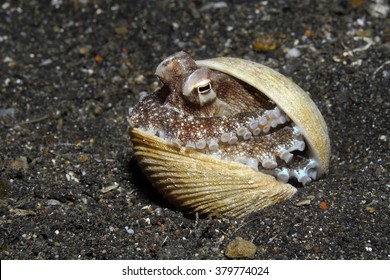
(292, 99)
(195, 182)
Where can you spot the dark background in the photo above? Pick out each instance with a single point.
(70, 70)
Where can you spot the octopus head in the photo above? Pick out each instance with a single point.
(182, 76)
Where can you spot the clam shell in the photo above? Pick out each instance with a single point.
(195, 182)
(198, 183)
(292, 99)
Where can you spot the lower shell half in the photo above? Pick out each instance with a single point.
(197, 183)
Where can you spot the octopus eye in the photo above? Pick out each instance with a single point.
(197, 88)
(197, 82)
(204, 89)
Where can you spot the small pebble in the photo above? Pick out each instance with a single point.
(46, 62)
(53, 202)
(109, 188)
(240, 249)
(303, 202)
(7, 112)
(264, 43)
(121, 30)
(294, 52)
(140, 79)
(19, 164)
(379, 9)
(323, 205)
(129, 230)
(213, 5)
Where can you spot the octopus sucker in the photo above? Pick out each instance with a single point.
(223, 137)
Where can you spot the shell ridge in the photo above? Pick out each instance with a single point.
(193, 194)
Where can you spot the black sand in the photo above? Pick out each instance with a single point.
(69, 72)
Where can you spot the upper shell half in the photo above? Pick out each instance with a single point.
(223, 136)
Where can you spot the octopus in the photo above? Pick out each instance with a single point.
(211, 112)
